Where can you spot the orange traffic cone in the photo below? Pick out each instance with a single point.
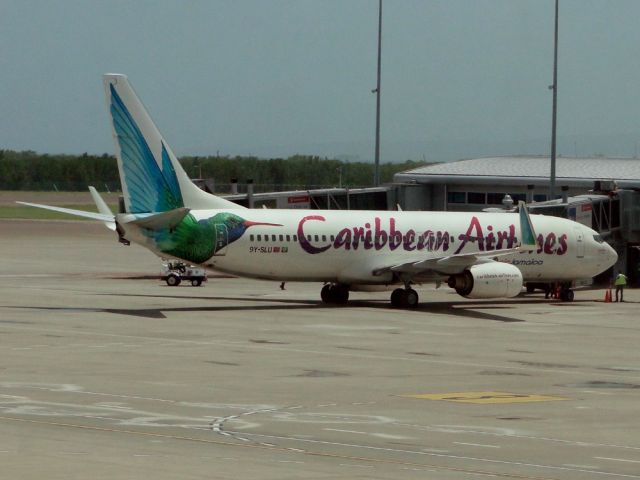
(607, 296)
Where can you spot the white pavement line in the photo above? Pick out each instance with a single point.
(583, 467)
(439, 455)
(345, 431)
(218, 425)
(130, 397)
(85, 392)
(618, 459)
(477, 445)
(456, 429)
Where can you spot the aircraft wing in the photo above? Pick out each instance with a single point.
(446, 265)
(453, 264)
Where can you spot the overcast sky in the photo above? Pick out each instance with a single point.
(277, 77)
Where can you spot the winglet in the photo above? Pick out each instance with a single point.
(527, 233)
(103, 208)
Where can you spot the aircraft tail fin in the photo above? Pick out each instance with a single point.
(527, 233)
(152, 178)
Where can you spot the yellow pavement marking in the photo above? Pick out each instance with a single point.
(485, 397)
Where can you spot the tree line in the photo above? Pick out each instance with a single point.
(29, 170)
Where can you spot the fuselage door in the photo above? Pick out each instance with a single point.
(579, 242)
(222, 239)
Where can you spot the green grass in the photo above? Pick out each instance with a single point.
(32, 213)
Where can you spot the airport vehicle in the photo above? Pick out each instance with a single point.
(480, 255)
(174, 273)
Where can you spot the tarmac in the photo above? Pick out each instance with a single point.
(107, 372)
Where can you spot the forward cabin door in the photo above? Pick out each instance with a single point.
(579, 242)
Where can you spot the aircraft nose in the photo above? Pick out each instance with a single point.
(612, 254)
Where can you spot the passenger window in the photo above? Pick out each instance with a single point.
(316, 237)
(273, 237)
(251, 238)
(259, 238)
(295, 238)
(288, 238)
(324, 238)
(281, 238)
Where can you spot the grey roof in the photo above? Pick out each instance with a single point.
(528, 170)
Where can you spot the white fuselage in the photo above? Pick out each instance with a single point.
(351, 246)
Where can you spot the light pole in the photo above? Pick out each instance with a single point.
(554, 87)
(376, 175)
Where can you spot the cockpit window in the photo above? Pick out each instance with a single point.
(598, 238)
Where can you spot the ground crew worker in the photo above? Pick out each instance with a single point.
(620, 283)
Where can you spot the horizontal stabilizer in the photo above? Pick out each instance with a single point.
(160, 221)
(70, 211)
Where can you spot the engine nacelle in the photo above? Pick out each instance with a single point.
(488, 280)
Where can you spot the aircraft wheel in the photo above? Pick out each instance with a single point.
(334, 293)
(530, 288)
(397, 298)
(567, 295)
(325, 294)
(173, 280)
(411, 298)
(340, 294)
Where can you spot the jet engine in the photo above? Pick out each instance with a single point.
(488, 280)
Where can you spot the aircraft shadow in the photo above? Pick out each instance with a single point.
(463, 309)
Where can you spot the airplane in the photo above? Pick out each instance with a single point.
(479, 255)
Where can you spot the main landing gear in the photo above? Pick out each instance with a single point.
(338, 294)
(404, 298)
(566, 295)
(558, 291)
(335, 293)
